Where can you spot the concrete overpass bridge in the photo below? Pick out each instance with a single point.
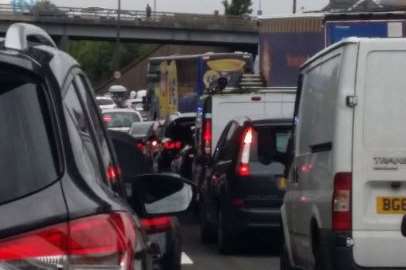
(159, 27)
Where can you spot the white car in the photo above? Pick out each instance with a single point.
(105, 103)
(346, 193)
(121, 119)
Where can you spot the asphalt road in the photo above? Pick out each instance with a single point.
(256, 252)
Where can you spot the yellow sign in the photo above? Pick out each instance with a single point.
(227, 65)
(168, 98)
(391, 205)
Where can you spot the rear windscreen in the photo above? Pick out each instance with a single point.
(270, 147)
(101, 102)
(181, 129)
(120, 119)
(27, 162)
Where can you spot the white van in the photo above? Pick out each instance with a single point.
(347, 185)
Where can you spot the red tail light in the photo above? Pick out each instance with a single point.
(172, 145)
(157, 224)
(243, 167)
(342, 214)
(113, 173)
(140, 146)
(107, 118)
(207, 136)
(100, 242)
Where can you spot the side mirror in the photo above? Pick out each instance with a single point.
(403, 228)
(159, 194)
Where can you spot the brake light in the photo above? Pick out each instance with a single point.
(172, 145)
(100, 242)
(156, 224)
(243, 167)
(107, 118)
(342, 220)
(140, 146)
(207, 136)
(113, 173)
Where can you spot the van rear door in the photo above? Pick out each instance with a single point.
(230, 106)
(379, 157)
(273, 104)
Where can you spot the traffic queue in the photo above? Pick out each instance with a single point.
(318, 167)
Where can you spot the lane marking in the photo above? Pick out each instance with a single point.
(186, 260)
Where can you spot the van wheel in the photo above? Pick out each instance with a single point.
(207, 234)
(284, 260)
(224, 236)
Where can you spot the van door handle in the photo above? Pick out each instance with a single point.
(403, 228)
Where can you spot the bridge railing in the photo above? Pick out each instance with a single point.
(103, 15)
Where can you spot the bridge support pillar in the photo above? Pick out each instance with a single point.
(63, 42)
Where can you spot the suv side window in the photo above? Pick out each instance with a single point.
(100, 134)
(229, 144)
(83, 147)
(220, 145)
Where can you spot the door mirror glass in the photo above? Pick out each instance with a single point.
(159, 194)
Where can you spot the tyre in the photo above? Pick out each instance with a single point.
(284, 260)
(225, 239)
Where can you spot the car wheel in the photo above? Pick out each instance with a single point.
(224, 236)
(284, 260)
(207, 234)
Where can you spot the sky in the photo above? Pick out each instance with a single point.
(270, 7)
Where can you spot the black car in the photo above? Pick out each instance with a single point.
(176, 134)
(244, 185)
(62, 201)
(163, 230)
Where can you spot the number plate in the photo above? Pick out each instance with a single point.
(391, 205)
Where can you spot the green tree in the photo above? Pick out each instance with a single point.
(96, 57)
(237, 7)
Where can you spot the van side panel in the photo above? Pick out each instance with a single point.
(379, 174)
(316, 125)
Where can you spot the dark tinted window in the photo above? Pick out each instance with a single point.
(229, 149)
(181, 129)
(28, 154)
(85, 93)
(83, 147)
(120, 119)
(270, 144)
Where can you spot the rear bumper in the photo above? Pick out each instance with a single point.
(338, 255)
(255, 219)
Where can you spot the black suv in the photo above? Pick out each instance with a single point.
(244, 184)
(61, 196)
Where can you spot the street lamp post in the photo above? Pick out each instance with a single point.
(118, 38)
(294, 6)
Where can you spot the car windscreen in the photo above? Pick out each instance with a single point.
(26, 143)
(103, 102)
(120, 119)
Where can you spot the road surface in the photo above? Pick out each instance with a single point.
(254, 254)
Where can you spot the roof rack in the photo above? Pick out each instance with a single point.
(20, 34)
